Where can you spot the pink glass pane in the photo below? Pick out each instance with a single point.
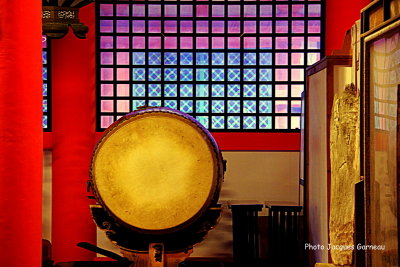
(314, 26)
(250, 26)
(234, 11)
(298, 26)
(122, 58)
(265, 43)
(106, 42)
(186, 42)
(250, 42)
(107, 106)
(233, 26)
(106, 74)
(123, 10)
(106, 26)
(170, 10)
(265, 26)
(138, 10)
(202, 42)
(281, 90)
(314, 10)
(106, 10)
(297, 59)
(186, 26)
(314, 43)
(218, 43)
(186, 11)
(298, 11)
(234, 42)
(281, 74)
(122, 74)
(122, 26)
(265, 11)
(218, 26)
(297, 42)
(312, 58)
(107, 90)
(202, 10)
(138, 42)
(170, 26)
(218, 10)
(122, 42)
(282, 10)
(155, 42)
(296, 90)
(44, 41)
(123, 90)
(281, 26)
(170, 42)
(154, 10)
(154, 26)
(138, 26)
(202, 26)
(281, 42)
(122, 105)
(281, 106)
(281, 58)
(250, 11)
(106, 121)
(297, 75)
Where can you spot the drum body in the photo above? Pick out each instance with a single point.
(156, 174)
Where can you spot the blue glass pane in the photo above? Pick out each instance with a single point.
(186, 90)
(265, 90)
(218, 90)
(138, 58)
(154, 74)
(186, 106)
(218, 122)
(138, 90)
(186, 59)
(44, 89)
(233, 74)
(170, 90)
(137, 103)
(249, 75)
(154, 103)
(202, 75)
(265, 58)
(202, 58)
(154, 90)
(186, 75)
(249, 106)
(265, 75)
(233, 122)
(233, 58)
(265, 106)
(203, 120)
(44, 105)
(233, 90)
(249, 90)
(218, 58)
(249, 122)
(44, 57)
(201, 90)
(202, 106)
(170, 74)
(171, 104)
(170, 58)
(250, 59)
(234, 106)
(44, 122)
(265, 122)
(138, 74)
(44, 74)
(217, 106)
(154, 58)
(218, 74)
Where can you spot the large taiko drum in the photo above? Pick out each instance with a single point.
(157, 174)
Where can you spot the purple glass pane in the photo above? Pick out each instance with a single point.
(297, 75)
(314, 26)
(138, 10)
(170, 26)
(154, 26)
(202, 10)
(202, 42)
(250, 42)
(170, 10)
(44, 41)
(281, 42)
(218, 10)
(107, 90)
(314, 10)
(234, 11)
(297, 59)
(138, 42)
(122, 42)
(154, 10)
(281, 58)
(297, 42)
(186, 42)
(218, 26)
(122, 58)
(250, 26)
(265, 26)
(170, 42)
(122, 10)
(106, 10)
(265, 43)
(154, 42)
(138, 26)
(281, 106)
(265, 11)
(234, 42)
(123, 90)
(186, 26)
(106, 74)
(218, 43)
(281, 90)
(106, 42)
(202, 26)
(106, 58)
(281, 74)
(250, 11)
(298, 26)
(314, 43)
(233, 26)
(282, 10)
(123, 26)
(122, 74)
(106, 26)
(298, 11)
(281, 26)
(186, 11)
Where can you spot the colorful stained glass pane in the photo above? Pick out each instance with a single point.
(203, 120)
(249, 122)
(250, 26)
(186, 106)
(186, 26)
(186, 58)
(218, 10)
(281, 26)
(186, 74)
(44, 89)
(234, 11)
(233, 122)
(281, 122)
(107, 10)
(249, 58)
(202, 106)
(186, 42)
(218, 106)
(106, 74)
(138, 90)
(234, 106)
(186, 90)
(314, 42)
(170, 42)
(170, 74)
(154, 103)
(218, 90)
(249, 75)
(218, 74)
(202, 10)
(201, 75)
(233, 90)
(201, 58)
(265, 26)
(296, 90)
(138, 42)
(217, 122)
(233, 26)
(218, 26)
(153, 57)
(249, 106)
(281, 59)
(281, 42)
(266, 11)
(170, 90)
(314, 26)
(201, 90)
(265, 43)
(233, 74)
(249, 90)
(265, 122)
(44, 73)
(265, 90)
(265, 106)
(312, 58)
(281, 90)
(218, 58)
(154, 74)
(298, 26)
(202, 42)
(154, 90)
(122, 42)
(186, 10)
(171, 104)
(314, 10)
(297, 10)
(170, 10)
(138, 103)
(170, 26)
(170, 58)
(295, 122)
(234, 58)
(282, 10)
(202, 26)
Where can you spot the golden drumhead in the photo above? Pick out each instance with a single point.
(154, 171)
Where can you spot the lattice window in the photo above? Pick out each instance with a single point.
(46, 123)
(233, 65)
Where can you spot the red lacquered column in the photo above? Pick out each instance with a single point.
(73, 70)
(21, 136)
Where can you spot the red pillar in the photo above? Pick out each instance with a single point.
(21, 136)
(73, 70)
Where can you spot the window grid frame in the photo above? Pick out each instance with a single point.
(47, 81)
